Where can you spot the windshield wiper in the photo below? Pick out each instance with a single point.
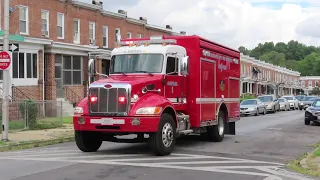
(151, 74)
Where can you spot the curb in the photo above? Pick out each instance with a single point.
(37, 143)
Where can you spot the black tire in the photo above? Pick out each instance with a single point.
(257, 114)
(264, 111)
(88, 141)
(274, 109)
(213, 131)
(155, 141)
(306, 121)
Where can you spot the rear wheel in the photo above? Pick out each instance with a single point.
(216, 133)
(88, 141)
(163, 141)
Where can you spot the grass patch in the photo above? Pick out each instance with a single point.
(312, 169)
(44, 123)
(12, 146)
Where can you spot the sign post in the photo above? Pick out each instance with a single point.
(5, 62)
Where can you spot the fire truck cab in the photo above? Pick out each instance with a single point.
(160, 88)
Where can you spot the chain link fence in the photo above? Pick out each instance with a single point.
(36, 115)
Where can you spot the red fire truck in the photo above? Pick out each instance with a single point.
(161, 88)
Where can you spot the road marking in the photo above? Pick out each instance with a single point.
(296, 176)
(159, 162)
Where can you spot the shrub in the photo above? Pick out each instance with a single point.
(31, 109)
(247, 96)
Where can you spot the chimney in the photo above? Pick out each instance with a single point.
(143, 19)
(120, 11)
(97, 2)
(169, 27)
(183, 32)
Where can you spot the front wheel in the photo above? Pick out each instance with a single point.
(216, 133)
(163, 141)
(88, 141)
(307, 122)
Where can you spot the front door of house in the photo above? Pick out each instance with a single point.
(58, 78)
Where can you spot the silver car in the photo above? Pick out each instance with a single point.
(271, 102)
(306, 102)
(284, 104)
(252, 107)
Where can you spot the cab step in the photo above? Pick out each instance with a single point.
(185, 132)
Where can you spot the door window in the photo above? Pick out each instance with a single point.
(172, 66)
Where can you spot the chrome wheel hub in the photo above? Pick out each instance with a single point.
(221, 126)
(167, 135)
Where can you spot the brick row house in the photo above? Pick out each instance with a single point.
(259, 77)
(56, 39)
(308, 83)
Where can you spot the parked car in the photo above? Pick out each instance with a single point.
(313, 113)
(284, 104)
(306, 101)
(252, 107)
(271, 102)
(294, 103)
(300, 97)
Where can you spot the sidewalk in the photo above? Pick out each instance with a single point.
(47, 134)
(36, 138)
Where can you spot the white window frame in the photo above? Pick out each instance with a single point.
(48, 19)
(25, 81)
(310, 83)
(116, 34)
(106, 35)
(27, 20)
(78, 36)
(62, 25)
(93, 30)
(139, 35)
(129, 35)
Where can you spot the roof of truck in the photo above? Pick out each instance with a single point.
(188, 36)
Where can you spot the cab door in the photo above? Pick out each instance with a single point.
(174, 84)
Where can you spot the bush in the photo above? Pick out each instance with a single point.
(247, 96)
(31, 109)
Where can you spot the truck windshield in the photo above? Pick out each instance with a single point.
(136, 63)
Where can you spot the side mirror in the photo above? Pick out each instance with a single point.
(184, 65)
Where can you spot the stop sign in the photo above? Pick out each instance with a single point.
(5, 60)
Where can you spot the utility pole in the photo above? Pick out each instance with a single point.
(6, 75)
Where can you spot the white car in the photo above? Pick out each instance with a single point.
(284, 104)
(294, 103)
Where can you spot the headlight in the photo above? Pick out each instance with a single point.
(78, 111)
(301, 103)
(149, 110)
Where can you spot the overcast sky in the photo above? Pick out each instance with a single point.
(231, 22)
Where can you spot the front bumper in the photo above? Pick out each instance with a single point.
(283, 107)
(311, 117)
(247, 112)
(116, 124)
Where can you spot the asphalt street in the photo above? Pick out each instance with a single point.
(258, 152)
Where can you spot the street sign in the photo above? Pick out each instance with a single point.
(12, 47)
(5, 60)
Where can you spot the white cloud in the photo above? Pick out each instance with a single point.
(235, 22)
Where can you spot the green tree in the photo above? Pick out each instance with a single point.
(274, 58)
(244, 50)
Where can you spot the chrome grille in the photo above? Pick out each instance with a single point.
(112, 101)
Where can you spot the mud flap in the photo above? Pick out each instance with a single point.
(230, 128)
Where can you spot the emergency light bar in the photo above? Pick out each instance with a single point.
(151, 41)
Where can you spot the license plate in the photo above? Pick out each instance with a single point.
(107, 121)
